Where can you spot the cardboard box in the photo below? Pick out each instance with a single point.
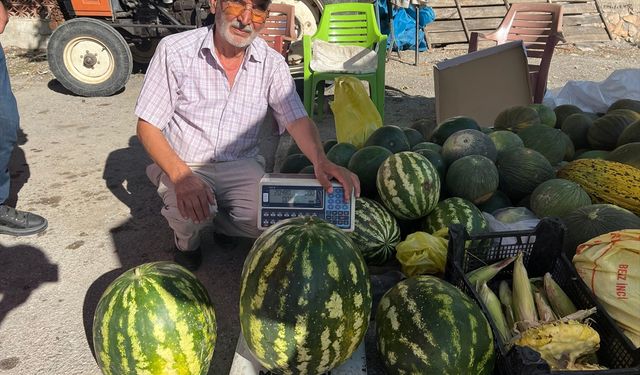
(481, 84)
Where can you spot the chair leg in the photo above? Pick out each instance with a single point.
(320, 99)
(308, 96)
(380, 95)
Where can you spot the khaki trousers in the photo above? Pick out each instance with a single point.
(235, 187)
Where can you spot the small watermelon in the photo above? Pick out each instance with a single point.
(452, 125)
(474, 178)
(390, 137)
(156, 318)
(376, 232)
(456, 211)
(468, 142)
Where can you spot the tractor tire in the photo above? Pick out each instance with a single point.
(89, 57)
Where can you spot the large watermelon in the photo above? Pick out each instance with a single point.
(305, 297)
(365, 163)
(516, 118)
(408, 185)
(521, 170)
(376, 232)
(558, 197)
(452, 125)
(154, 319)
(547, 141)
(456, 211)
(425, 325)
(468, 142)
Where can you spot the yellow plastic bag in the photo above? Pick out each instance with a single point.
(422, 253)
(610, 265)
(355, 115)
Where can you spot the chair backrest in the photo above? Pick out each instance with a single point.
(279, 27)
(349, 24)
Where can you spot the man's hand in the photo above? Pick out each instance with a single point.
(194, 197)
(325, 170)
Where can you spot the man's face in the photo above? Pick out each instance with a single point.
(239, 22)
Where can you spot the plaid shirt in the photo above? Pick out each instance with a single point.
(186, 94)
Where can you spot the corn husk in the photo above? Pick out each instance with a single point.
(561, 343)
(558, 299)
(506, 300)
(524, 307)
(492, 304)
(484, 274)
(545, 312)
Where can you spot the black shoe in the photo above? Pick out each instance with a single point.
(190, 260)
(20, 223)
(225, 242)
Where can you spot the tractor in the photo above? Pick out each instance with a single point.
(93, 52)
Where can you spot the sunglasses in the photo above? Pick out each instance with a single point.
(237, 8)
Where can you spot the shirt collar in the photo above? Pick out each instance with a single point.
(253, 52)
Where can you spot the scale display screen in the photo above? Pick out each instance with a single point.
(293, 196)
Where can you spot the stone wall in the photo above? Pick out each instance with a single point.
(623, 18)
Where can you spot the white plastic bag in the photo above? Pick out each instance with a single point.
(597, 96)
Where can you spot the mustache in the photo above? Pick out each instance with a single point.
(238, 25)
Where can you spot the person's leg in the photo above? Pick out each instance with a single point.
(12, 221)
(9, 121)
(186, 233)
(237, 196)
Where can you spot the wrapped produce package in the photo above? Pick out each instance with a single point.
(610, 265)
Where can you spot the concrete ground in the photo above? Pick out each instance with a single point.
(80, 165)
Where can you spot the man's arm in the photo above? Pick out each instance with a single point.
(305, 134)
(194, 195)
(4, 15)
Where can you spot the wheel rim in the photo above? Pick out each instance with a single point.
(88, 60)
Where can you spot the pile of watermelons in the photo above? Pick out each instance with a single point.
(306, 299)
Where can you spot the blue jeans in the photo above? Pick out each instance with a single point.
(9, 122)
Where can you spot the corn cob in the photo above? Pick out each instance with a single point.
(545, 313)
(483, 274)
(558, 299)
(492, 304)
(504, 292)
(561, 343)
(523, 306)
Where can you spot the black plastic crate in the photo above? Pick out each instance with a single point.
(542, 250)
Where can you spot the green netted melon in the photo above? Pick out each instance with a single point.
(328, 144)
(341, 153)
(592, 154)
(557, 197)
(505, 140)
(413, 136)
(294, 163)
(468, 142)
(308, 170)
(587, 222)
(570, 150)
(452, 125)
(547, 141)
(156, 318)
(390, 137)
(605, 131)
(627, 154)
(563, 111)
(631, 104)
(408, 185)
(376, 232)
(425, 325)
(547, 115)
(630, 134)
(473, 177)
(305, 297)
(427, 146)
(365, 163)
(576, 126)
(521, 170)
(456, 210)
(498, 200)
(516, 118)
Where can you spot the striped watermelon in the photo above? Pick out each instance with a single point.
(305, 297)
(456, 211)
(408, 185)
(154, 319)
(425, 325)
(376, 232)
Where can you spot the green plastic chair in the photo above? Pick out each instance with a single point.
(352, 24)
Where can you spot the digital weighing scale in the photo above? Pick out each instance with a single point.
(285, 195)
